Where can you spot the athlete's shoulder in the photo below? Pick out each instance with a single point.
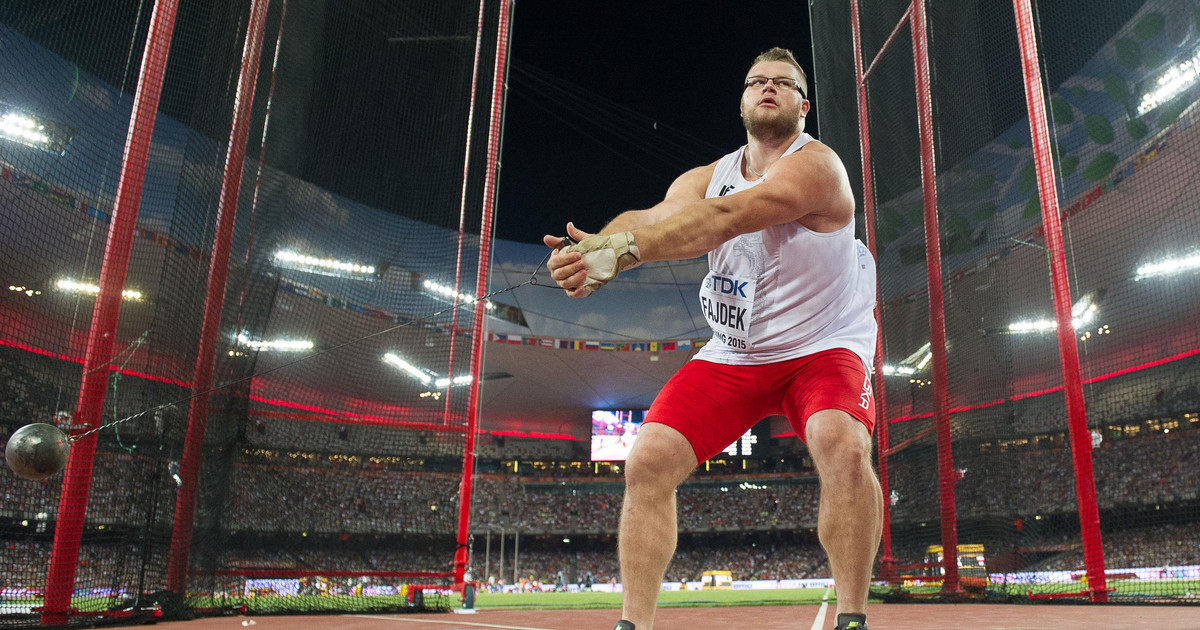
(816, 147)
(817, 171)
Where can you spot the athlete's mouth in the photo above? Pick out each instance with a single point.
(767, 101)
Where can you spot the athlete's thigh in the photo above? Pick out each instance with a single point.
(711, 404)
(833, 379)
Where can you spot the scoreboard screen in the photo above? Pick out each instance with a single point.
(614, 431)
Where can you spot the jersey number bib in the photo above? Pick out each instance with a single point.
(728, 304)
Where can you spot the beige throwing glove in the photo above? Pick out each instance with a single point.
(605, 256)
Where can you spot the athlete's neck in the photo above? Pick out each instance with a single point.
(761, 153)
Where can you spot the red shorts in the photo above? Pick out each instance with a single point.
(713, 404)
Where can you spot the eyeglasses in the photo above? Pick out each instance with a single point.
(783, 83)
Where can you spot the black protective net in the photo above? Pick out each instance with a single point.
(329, 469)
(1120, 80)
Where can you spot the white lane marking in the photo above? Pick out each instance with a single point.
(820, 620)
(448, 623)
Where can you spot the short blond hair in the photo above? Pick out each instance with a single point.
(782, 54)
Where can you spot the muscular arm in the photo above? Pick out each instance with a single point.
(810, 185)
(810, 182)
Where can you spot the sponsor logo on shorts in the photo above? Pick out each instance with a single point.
(864, 400)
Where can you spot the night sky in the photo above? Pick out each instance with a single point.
(609, 101)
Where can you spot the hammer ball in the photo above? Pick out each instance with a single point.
(37, 451)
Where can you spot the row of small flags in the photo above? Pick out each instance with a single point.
(65, 198)
(607, 346)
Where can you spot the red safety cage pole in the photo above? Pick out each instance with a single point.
(496, 120)
(462, 210)
(262, 159)
(937, 316)
(235, 154)
(469, 444)
(887, 562)
(1068, 353)
(68, 527)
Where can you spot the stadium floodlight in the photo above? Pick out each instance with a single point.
(1034, 325)
(1171, 83)
(1169, 266)
(70, 286)
(920, 358)
(443, 383)
(23, 129)
(34, 131)
(911, 364)
(279, 345)
(898, 370)
(1083, 312)
(412, 370)
(440, 290)
(925, 359)
(426, 376)
(324, 266)
(25, 290)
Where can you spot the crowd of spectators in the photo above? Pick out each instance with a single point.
(23, 563)
(125, 488)
(316, 557)
(263, 498)
(594, 507)
(303, 499)
(763, 561)
(1140, 471)
(1158, 546)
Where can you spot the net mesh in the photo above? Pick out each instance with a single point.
(329, 471)
(1119, 81)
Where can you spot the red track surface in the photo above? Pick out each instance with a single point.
(882, 617)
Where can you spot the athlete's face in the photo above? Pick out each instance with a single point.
(771, 111)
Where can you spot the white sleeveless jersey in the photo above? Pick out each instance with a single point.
(786, 291)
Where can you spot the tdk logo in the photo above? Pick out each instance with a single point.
(726, 286)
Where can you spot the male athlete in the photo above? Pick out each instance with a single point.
(790, 297)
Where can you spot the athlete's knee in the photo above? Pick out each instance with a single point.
(660, 460)
(838, 443)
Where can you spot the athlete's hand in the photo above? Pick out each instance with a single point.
(607, 255)
(567, 269)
